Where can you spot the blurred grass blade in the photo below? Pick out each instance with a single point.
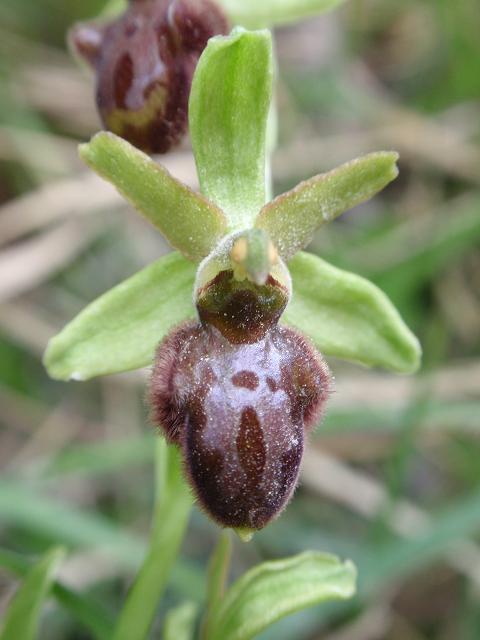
(22, 507)
(23, 614)
(29, 510)
(349, 317)
(121, 329)
(293, 217)
(228, 112)
(188, 221)
(99, 458)
(272, 590)
(169, 523)
(258, 14)
(217, 577)
(180, 622)
(453, 525)
(86, 611)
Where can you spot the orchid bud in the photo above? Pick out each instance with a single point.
(144, 63)
(237, 393)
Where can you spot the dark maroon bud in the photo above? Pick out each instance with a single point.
(239, 411)
(144, 63)
(195, 22)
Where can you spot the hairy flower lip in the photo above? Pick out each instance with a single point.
(240, 414)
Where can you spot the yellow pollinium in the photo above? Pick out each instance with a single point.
(252, 256)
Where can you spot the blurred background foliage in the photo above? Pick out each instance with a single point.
(392, 478)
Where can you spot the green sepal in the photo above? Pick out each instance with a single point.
(349, 317)
(189, 222)
(120, 330)
(228, 113)
(273, 590)
(293, 217)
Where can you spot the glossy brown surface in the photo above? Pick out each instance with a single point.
(240, 310)
(144, 63)
(239, 412)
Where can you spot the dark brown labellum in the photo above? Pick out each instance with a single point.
(144, 63)
(239, 410)
(241, 310)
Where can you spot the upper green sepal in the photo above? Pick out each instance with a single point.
(349, 317)
(293, 217)
(228, 113)
(189, 222)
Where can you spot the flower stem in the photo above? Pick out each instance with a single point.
(172, 508)
(217, 576)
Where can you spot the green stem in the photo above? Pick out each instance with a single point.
(217, 577)
(173, 502)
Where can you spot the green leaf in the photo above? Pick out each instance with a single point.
(292, 218)
(23, 614)
(228, 112)
(121, 329)
(257, 14)
(169, 523)
(349, 317)
(273, 590)
(84, 609)
(180, 622)
(188, 221)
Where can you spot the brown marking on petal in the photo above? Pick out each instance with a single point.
(123, 78)
(131, 29)
(246, 379)
(290, 464)
(251, 448)
(204, 468)
(272, 384)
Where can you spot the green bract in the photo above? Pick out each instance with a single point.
(345, 315)
(273, 590)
